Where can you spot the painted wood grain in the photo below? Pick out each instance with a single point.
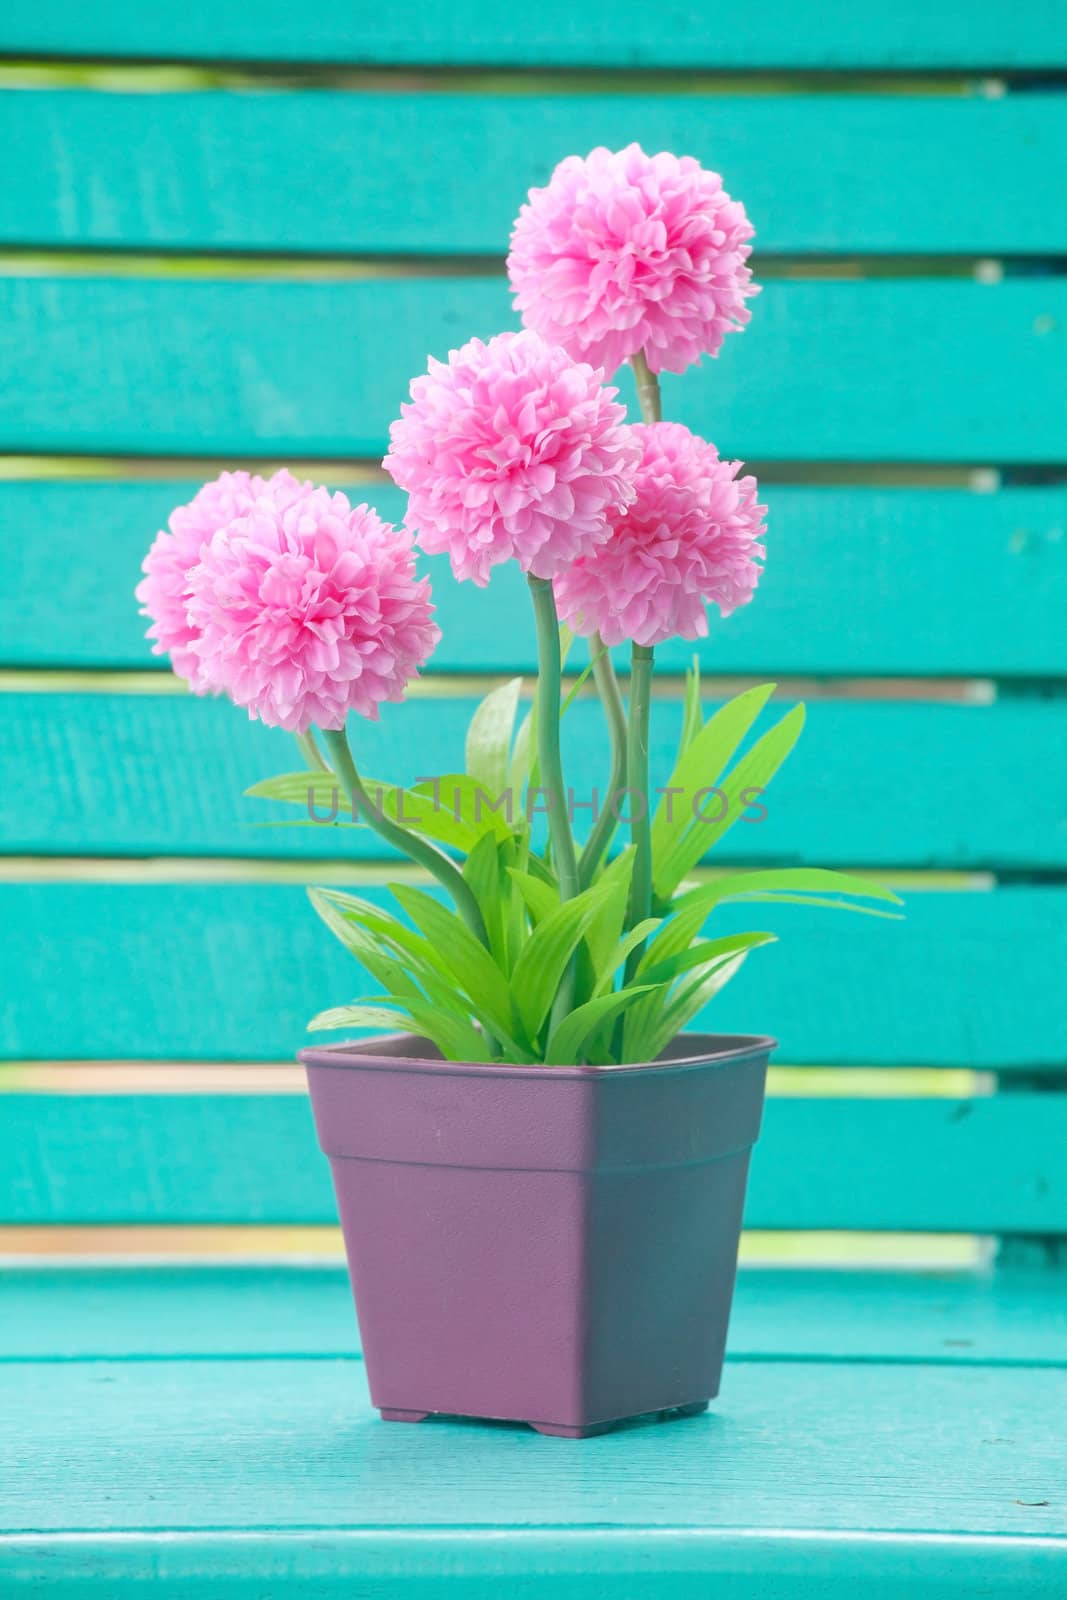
(857, 581)
(981, 1166)
(964, 371)
(604, 33)
(234, 971)
(252, 1312)
(787, 1474)
(445, 174)
(881, 784)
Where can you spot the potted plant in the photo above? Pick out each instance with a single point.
(540, 1173)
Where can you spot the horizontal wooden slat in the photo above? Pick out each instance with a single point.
(980, 1165)
(233, 972)
(75, 1313)
(885, 784)
(445, 174)
(602, 34)
(917, 370)
(219, 1478)
(856, 581)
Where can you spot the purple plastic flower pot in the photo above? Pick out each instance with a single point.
(551, 1245)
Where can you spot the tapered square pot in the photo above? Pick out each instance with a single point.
(551, 1245)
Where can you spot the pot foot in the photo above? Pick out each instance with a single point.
(693, 1410)
(388, 1414)
(560, 1430)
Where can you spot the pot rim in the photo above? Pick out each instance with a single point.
(710, 1050)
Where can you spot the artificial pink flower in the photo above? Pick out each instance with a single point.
(163, 591)
(305, 610)
(511, 449)
(690, 537)
(624, 252)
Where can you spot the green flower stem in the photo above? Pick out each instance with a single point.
(638, 798)
(647, 387)
(550, 761)
(422, 851)
(311, 752)
(603, 829)
(549, 757)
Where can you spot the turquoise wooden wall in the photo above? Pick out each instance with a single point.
(229, 235)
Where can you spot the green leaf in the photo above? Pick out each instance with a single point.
(295, 788)
(460, 810)
(753, 771)
(705, 757)
(656, 1032)
(629, 941)
(541, 898)
(796, 883)
(484, 870)
(473, 968)
(456, 1041)
(705, 952)
(417, 954)
(357, 1016)
(372, 953)
(605, 930)
(523, 761)
(565, 1043)
(544, 957)
(489, 737)
(691, 712)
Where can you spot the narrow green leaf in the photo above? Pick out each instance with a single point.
(460, 809)
(605, 930)
(372, 953)
(544, 957)
(473, 968)
(705, 952)
(691, 712)
(564, 1048)
(541, 898)
(656, 1032)
(629, 941)
(489, 737)
(775, 881)
(356, 1016)
(456, 1041)
(753, 772)
(704, 759)
(484, 870)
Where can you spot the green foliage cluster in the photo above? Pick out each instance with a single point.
(492, 991)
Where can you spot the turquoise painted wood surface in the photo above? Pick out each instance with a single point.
(941, 581)
(984, 1165)
(241, 967)
(879, 785)
(247, 1312)
(965, 371)
(904, 1479)
(444, 174)
(909, 35)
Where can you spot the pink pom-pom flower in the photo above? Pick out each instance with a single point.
(303, 610)
(511, 450)
(691, 537)
(163, 591)
(623, 252)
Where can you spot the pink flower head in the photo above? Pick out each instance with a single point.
(624, 252)
(691, 536)
(511, 449)
(307, 609)
(163, 591)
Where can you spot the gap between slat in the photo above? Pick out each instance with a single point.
(281, 1077)
(226, 1246)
